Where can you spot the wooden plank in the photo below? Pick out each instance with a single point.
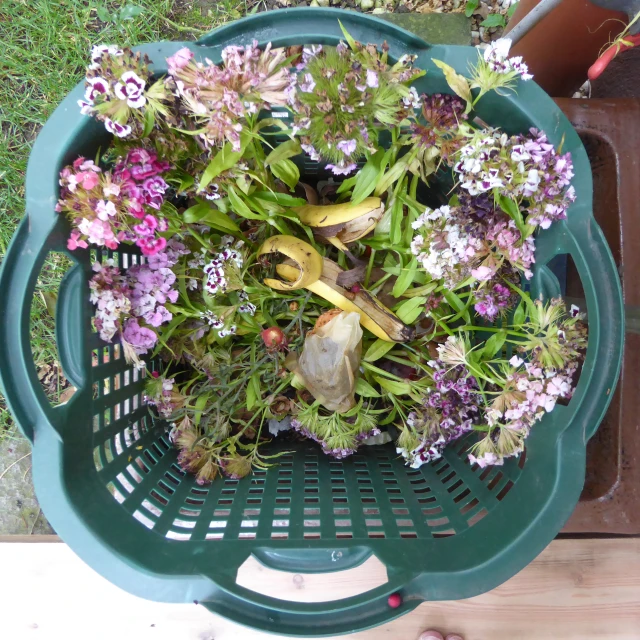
(576, 589)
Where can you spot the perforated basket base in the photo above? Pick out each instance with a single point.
(308, 495)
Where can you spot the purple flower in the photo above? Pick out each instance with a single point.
(372, 79)
(131, 89)
(311, 151)
(347, 147)
(308, 85)
(97, 87)
(120, 130)
(155, 185)
(140, 338)
(341, 169)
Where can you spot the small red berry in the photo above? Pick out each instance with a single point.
(395, 600)
(155, 374)
(274, 338)
(356, 288)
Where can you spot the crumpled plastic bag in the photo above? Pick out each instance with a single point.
(329, 361)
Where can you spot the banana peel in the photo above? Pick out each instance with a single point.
(344, 223)
(307, 259)
(374, 316)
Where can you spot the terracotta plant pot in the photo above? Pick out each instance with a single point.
(565, 43)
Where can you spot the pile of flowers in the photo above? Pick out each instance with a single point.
(340, 308)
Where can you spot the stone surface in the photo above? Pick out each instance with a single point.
(434, 28)
(20, 513)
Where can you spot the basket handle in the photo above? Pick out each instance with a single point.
(312, 26)
(336, 617)
(581, 237)
(18, 377)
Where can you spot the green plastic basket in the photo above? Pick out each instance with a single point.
(108, 481)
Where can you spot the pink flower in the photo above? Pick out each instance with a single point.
(143, 171)
(140, 338)
(105, 209)
(483, 273)
(140, 156)
(88, 179)
(74, 241)
(151, 246)
(179, 60)
(136, 209)
(131, 89)
(147, 227)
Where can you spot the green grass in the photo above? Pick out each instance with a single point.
(45, 47)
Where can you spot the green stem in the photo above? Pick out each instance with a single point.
(382, 372)
(369, 268)
(471, 327)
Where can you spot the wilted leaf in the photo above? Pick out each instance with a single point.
(459, 84)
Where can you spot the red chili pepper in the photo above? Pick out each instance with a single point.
(628, 42)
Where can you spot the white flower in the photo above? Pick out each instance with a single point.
(498, 49)
(516, 361)
(120, 130)
(131, 89)
(413, 99)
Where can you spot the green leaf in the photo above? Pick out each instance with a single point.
(203, 213)
(167, 331)
(494, 20)
(367, 177)
(453, 300)
(149, 121)
(395, 231)
(396, 388)
(287, 171)
(410, 309)
(511, 208)
(459, 84)
(50, 299)
(130, 11)
(271, 122)
(350, 41)
(223, 160)
(240, 207)
(519, 315)
(347, 184)
(511, 10)
(253, 391)
(103, 14)
(405, 279)
(378, 349)
(200, 404)
(388, 178)
(421, 291)
(364, 389)
(283, 199)
(494, 344)
(283, 151)
(470, 7)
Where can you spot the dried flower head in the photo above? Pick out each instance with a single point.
(219, 98)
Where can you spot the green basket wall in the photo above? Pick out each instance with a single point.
(107, 478)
